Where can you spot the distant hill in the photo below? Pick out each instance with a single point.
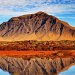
(39, 26)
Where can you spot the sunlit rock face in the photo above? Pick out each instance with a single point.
(34, 66)
(69, 71)
(38, 26)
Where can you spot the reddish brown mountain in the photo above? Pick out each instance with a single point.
(38, 26)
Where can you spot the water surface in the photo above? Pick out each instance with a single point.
(4, 72)
(69, 71)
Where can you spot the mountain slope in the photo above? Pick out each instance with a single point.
(38, 26)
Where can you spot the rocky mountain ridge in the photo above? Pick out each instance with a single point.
(38, 26)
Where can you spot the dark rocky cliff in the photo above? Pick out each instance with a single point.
(34, 66)
(38, 26)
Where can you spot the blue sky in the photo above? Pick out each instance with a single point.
(63, 9)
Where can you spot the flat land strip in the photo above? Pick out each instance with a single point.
(55, 53)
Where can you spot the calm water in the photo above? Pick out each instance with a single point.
(70, 71)
(4, 72)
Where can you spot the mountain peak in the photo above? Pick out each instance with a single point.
(41, 12)
(38, 26)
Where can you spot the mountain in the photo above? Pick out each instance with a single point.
(38, 26)
(34, 66)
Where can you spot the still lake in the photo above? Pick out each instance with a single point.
(69, 71)
(4, 72)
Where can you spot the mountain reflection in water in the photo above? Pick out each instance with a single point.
(4, 72)
(69, 71)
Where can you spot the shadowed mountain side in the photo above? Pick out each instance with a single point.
(38, 26)
(34, 66)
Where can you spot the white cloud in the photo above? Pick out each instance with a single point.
(7, 7)
(12, 13)
(13, 2)
(27, 2)
(56, 8)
